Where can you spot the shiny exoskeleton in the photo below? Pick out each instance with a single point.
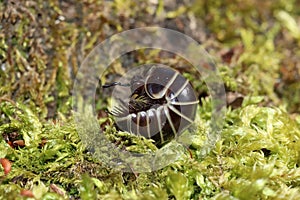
(161, 105)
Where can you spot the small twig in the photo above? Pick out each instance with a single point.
(7, 99)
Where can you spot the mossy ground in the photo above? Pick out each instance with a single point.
(256, 45)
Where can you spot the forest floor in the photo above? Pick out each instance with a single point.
(255, 46)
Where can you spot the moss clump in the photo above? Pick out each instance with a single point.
(256, 48)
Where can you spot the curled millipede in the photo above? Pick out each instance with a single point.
(160, 104)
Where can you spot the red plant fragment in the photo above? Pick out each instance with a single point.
(27, 193)
(6, 164)
(19, 143)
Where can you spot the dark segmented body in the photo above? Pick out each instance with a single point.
(161, 106)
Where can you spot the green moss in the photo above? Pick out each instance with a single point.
(256, 47)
